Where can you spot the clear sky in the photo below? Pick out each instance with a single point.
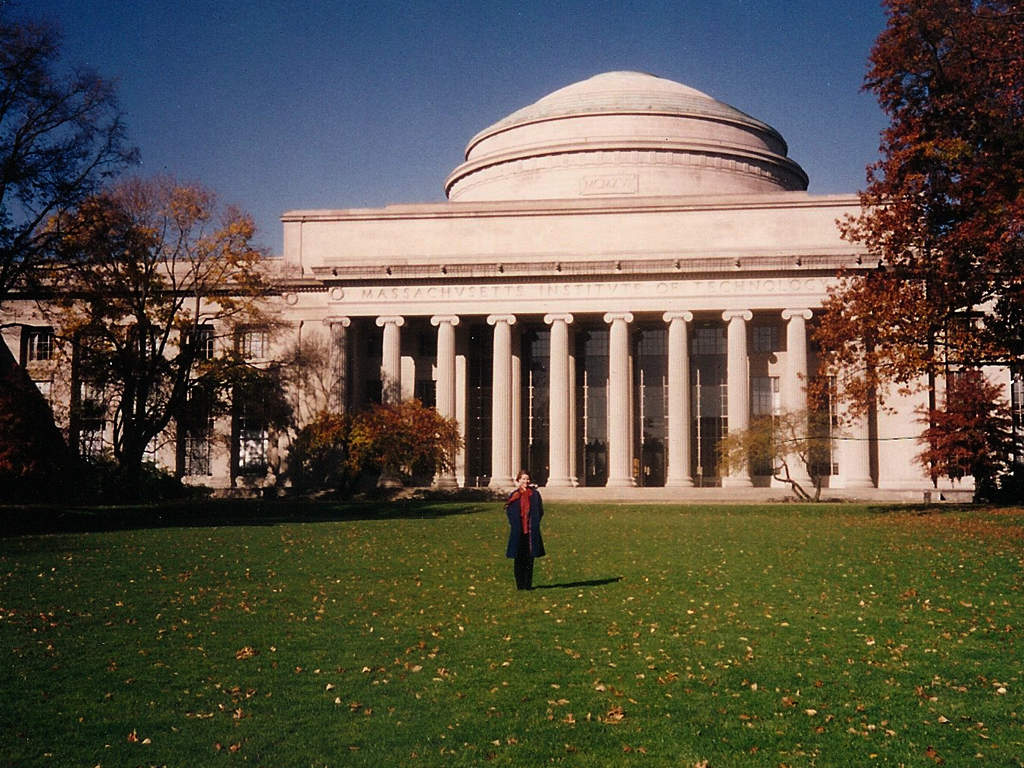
(291, 104)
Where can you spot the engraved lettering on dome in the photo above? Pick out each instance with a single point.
(617, 184)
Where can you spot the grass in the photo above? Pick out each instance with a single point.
(330, 635)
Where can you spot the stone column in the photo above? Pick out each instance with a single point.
(559, 460)
(855, 457)
(573, 477)
(461, 408)
(678, 400)
(391, 359)
(338, 362)
(738, 379)
(516, 435)
(854, 448)
(446, 382)
(501, 402)
(620, 405)
(794, 383)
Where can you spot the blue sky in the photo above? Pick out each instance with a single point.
(296, 104)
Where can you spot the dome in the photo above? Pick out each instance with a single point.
(624, 134)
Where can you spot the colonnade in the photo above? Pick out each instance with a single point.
(505, 437)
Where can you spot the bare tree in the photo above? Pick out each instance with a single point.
(793, 446)
(61, 137)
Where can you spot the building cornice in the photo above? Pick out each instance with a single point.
(595, 207)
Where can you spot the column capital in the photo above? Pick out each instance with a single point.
(495, 319)
(344, 322)
(685, 316)
(738, 314)
(554, 316)
(806, 314)
(438, 319)
(611, 317)
(390, 320)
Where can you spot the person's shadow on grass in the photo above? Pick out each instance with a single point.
(577, 584)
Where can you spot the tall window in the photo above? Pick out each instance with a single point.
(592, 404)
(39, 344)
(92, 421)
(823, 425)
(650, 385)
(535, 393)
(254, 343)
(198, 423)
(1017, 404)
(765, 403)
(204, 342)
(478, 404)
(709, 398)
(253, 439)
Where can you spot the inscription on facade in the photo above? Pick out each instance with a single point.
(610, 290)
(616, 184)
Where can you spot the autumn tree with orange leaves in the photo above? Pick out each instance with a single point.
(943, 213)
(145, 267)
(972, 434)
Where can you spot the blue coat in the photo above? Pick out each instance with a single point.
(516, 525)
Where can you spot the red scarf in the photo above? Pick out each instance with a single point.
(524, 509)
(524, 506)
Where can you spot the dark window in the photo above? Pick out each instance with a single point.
(764, 395)
(708, 400)
(91, 420)
(253, 439)
(650, 382)
(535, 393)
(427, 344)
(764, 339)
(709, 340)
(204, 343)
(478, 404)
(426, 392)
(39, 344)
(592, 404)
(198, 423)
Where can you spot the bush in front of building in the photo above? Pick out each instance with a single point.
(103, 480)
(403, 442)
(319, 455)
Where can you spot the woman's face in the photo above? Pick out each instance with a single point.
(524, 480)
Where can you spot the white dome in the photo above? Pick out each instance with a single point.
(624, 133)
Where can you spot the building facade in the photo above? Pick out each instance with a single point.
(624, 272)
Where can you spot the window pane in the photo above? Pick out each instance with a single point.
(254, 344)
(39, 344)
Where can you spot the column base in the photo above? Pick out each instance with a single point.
(620, 482)
(680, 482)
(388, 480)
(853, 482)
(559, 482)
(445, 482)
(737, 482)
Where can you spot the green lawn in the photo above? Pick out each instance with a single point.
(283, 635)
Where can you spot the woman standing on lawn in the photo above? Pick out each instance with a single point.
(524, 509)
